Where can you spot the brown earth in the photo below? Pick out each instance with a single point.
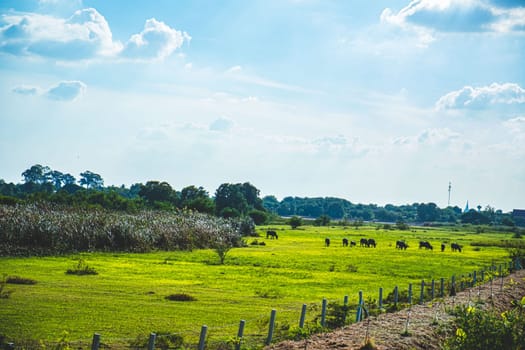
(428, 324)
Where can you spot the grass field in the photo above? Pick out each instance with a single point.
(127, 297)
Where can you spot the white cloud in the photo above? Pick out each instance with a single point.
(516, 125)
(62, 91)
(441, 137)
(425, 17)
(85, 35)
(157, 40)
(482, 97)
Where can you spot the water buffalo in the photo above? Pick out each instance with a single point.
(455, 247)
(371, 243)
(401, 245)
(271, 234)
(442, 247)
(353, 243)
(327, 242)
(363, 242)
(425, 244)
(345, 242)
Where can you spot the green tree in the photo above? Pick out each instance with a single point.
(295, 222)
(196, 198)
(323, 220)
(259, 217)
(91, 180)
(230, 196)
(37, 174)
(157, 192)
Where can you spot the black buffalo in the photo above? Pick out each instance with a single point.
(271, 234)
(327, 242)
(345, 242)
(425, 244)
(455, 247)
(363, 242)
(352, 244)
(371, 242)
(442, 247)
(401, 245)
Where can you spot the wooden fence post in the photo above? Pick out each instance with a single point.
(271, 327)
(410, 293)
(359, 307)
(422, 293)
(240, 334)
(432, 290)
(345, 304)
(442, 288)
(323, 313)
(303, 316)
(202, 338)
(396, 295)
(96, 341)
(380, 298)
(151, 342)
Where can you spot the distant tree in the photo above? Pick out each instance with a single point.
(57, 179)
(295, 222)
(68, 179)
(228, 213)
(230, 196)
(428, 212)
(323, 220)
(259, 217)
(197, 199)
(37, 174)
(270, 203)
(91, 180)
(475, 217)
(335, 210)
(357, 223)
(401, 225)
(156, 191)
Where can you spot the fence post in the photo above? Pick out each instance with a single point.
(303, 316)
(442, 288)
(396, 295)
(410, 293)
(453, 286)
(151, 342)
(474, 278)
(422, 294)
(482, 275)
(345, 304)
(202, 339)
(432, 290)
(96, 341)
(380, 298)
(240, 334)
(323, 313)
(359, 307)
(272, 325)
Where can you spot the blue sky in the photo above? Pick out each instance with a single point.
(372, 101)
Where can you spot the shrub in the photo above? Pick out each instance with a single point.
(19, 280)
(82, 269)
(180, 297)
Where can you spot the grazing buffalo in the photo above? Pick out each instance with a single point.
(371, 243)
(271, 234)
(401, 245)
(363, 242)
(327, 242)
(425, 244)
(455, 247)
(345, 242)
(352, 244)
(442, 247)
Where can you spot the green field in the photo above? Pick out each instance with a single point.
(127, 297)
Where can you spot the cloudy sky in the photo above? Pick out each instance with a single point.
(372, 101)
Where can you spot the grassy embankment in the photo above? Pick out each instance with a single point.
(127, 296)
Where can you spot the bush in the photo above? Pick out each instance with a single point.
(180, 297)
(19, 280)
(82, 269)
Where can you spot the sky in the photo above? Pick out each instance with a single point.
(383, 102)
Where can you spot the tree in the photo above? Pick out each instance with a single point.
(259, 217)
(230, 196)
(155, 191)
(270, 203)
(91, 180)
(295, 222)
(323, 220)
(197, 199)
(428, 212)
(57, 178)
(37, 174)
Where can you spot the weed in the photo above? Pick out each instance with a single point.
(4, 294)
(19, 280)
(82, 269)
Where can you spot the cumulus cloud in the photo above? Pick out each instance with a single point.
(84, 35)
(157, 40)
(430, 137)
(62, 91)
(482, 97)
(516, 125)
(427, 16)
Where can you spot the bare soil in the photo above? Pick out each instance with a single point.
(429, 324)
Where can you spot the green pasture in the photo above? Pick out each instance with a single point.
(127, 297)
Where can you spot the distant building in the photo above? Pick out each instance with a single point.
(518, 215)
(466, 208)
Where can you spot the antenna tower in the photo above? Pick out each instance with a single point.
(449, 188)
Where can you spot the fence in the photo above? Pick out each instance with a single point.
(395, 301)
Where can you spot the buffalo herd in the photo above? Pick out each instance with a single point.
(401, 244)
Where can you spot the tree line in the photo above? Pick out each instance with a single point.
(41, 183)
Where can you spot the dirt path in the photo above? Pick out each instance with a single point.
(427, 326)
